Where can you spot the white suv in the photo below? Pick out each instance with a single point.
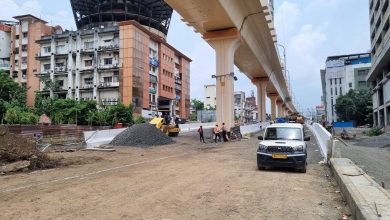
(283, 145)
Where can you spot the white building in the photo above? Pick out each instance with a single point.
(210, 94)
(239, 104)
(343, 73)
(5, 42)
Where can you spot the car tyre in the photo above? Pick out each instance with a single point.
(260, 167)
(303, 169)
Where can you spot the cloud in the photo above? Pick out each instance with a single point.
(11, 8)
(308, 39)
(322, 4)
(286, 18)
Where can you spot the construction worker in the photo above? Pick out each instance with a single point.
(224, 133)
(200, 131)
(216, 133)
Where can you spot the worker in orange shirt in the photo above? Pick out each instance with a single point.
(216, 133)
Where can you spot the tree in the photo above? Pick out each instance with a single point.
(356, 106)
(198, 105)
(11, 94)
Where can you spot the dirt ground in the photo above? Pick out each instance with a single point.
(185, 180)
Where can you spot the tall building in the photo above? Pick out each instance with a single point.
(110, 59)
(5, 41)
(379, 74)
(210, 94)
(239, 104)
(23, 65)
(343, 73)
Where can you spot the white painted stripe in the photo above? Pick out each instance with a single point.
(88, 174)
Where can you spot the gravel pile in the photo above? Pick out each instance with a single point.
(141, 135)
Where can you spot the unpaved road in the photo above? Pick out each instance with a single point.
(186, 180)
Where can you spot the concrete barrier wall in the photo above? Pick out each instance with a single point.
(253, 128)
(323, 137)
(195, 126)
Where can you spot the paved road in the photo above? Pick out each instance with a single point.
(374, 160)
(186, 180)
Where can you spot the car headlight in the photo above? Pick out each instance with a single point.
(299, 148)
(262, 148)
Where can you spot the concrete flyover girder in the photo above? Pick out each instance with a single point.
(256, 55)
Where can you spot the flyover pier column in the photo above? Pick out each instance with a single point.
(284, 110)
(273, 97)
(279, 104)
(225, 44)
(261, 84)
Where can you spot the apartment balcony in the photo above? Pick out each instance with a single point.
(42, 56)
(153, 79)
(87, 68)
(105, 85)
(109, 66)
(88, 86)
(24, 79)
(152, 90)
(109, 47)
(153, 103)
(154, 61)
(87, 50)
(178, 87)
(24, 41)
(61, 70)
(178, 98)
(23, 66)
(16, 50)
(61, 53)
(24, 54)
(45, 73)
(5, 67)
(15, 75)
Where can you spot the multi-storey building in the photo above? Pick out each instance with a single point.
(343, 73)
(112, 59)
(379, 74)
(239, 104)
(23, 66)
(5, 41)
(210, 94)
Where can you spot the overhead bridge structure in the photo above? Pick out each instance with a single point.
(241, 33)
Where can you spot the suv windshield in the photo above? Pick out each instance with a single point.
(283, 134)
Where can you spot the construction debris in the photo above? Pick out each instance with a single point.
(18, 153)
(141, 135)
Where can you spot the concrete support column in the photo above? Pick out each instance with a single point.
(261, 84)
(70, 67)
(284, 110)
(279, 104)
(273, 97)
(78, 67)
(52, 64)
(96, 61)
(225, 44)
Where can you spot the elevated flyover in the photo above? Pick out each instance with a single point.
(241, 33)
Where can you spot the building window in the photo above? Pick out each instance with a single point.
(107, 61)
(47, 49)
(362, 72)
(46, 66)
(60, 64)
(341, 91)
(350, 85)
(362, 84)
(60, 48)
(17, 37)
(24, 48)
(25, 35)
(88, 45)
(88, 80)
(107, 79)
(116, 76)
(61, 83)
(331, 91)
(87, 62)
(335, 81)
(335, 91)
(330, 80)
(340, 81)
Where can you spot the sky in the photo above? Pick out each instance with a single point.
(311, 30)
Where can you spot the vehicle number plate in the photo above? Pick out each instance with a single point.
(279, 156)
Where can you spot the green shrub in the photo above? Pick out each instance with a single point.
(375, 132)
(140, 120)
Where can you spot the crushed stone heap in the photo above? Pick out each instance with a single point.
(141, 135)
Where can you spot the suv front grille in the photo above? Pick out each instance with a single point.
(279, 149)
